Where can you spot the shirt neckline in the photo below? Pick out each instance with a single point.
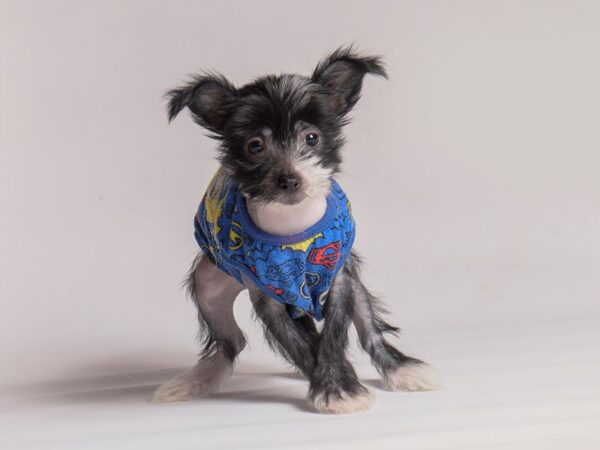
(252, 229)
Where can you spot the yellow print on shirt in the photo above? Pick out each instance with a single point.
(235, 236)
(303, 246)
(214, 209)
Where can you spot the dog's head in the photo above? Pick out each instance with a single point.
(280, 135)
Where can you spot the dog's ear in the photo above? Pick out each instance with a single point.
(342, 73)
(210, 98)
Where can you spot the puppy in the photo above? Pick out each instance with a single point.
(275, 221)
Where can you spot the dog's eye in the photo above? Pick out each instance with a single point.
(312, 139)
(255, 146)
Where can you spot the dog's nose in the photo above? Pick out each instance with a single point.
(288, 183)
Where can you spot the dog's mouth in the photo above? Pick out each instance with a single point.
(292, 199)
(275, 196)
(288, 199)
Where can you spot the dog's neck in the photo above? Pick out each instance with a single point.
(286, 220)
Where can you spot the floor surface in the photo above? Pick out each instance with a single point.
(523, 388)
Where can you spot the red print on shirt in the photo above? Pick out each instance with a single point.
(327, 256)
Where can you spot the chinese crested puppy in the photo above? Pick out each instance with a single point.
(275, 221)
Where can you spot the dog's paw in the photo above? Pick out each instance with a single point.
(344, 402)
(203, 379)
(413, 376)
(175, 390)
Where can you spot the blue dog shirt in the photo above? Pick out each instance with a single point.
(295, 270)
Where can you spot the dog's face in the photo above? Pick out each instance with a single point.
(280, 135)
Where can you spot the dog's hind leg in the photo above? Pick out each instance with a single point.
(398, 371)
(214, 293)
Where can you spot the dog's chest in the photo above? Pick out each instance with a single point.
(285, 220)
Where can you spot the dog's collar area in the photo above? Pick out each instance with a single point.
(253, 230)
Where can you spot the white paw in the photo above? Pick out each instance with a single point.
(203, 379)
(418, 376)
(175, 390)
(344, 404)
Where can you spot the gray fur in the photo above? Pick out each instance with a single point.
(284, 334)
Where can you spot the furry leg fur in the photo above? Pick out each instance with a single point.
(334, 385)
(295, 340)
(203, 379)
(214, 293)
(398, 371)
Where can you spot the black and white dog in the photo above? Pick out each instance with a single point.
(280, 139)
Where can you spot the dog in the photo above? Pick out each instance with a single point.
(275, 222)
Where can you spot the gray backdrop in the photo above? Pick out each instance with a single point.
(473, 171)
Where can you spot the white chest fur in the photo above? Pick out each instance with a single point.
(285, 220)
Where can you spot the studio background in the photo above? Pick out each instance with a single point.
(473, 171)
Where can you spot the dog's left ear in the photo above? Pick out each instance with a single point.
(342, 73)
(209, 97)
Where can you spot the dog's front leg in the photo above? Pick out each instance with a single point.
(214, 293)
(334, 385)
(294, 339)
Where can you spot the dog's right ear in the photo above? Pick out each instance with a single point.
(341, 75)
(209, 97)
